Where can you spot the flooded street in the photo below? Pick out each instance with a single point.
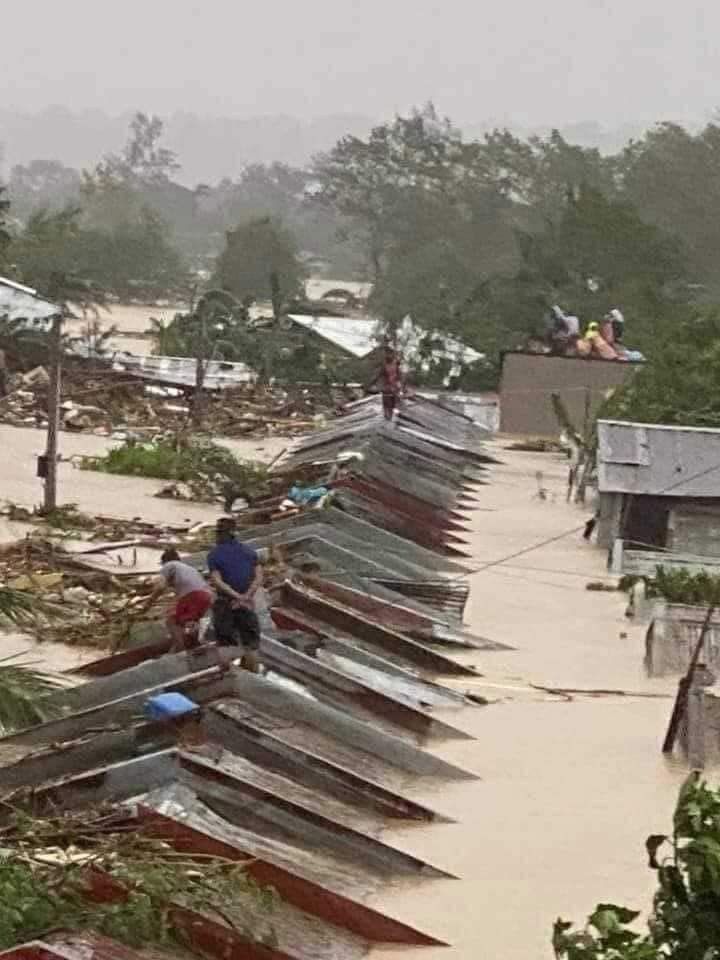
(101, 493)
(569, 790)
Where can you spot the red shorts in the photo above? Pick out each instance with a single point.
(193, 606)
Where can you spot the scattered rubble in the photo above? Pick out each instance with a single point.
(106, 402)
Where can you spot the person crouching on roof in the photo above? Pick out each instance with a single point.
(236, 574)
(563, 332)
(193, 596)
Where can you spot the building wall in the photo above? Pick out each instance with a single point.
(695, 528)
(673, 636)
(610, 514)
(529, 380)
(700, 730)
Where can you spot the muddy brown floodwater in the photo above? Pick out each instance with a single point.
(569, 790)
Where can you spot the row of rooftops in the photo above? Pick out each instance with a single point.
(301, 768)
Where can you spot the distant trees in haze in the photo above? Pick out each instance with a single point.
(477, 236)
(260, 262)
(481, 237)
(99, 226)
(5, 236)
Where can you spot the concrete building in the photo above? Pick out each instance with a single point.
(528, 381)
(659, 487)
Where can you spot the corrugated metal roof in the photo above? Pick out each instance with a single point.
(181, 371)
(18, 302)
(658, 460)
(359, 336)
(355, 335)
(301, 767)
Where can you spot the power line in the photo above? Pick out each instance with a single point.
(569, 533)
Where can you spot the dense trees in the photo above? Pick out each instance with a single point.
(4, 231)
(260, 262)
(673, 179)
(133, 260)
(482, 237)
(478, 237)
(680, 386)
(43, 185)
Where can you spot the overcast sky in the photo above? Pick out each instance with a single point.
(528, 62)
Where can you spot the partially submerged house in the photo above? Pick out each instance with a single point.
(528, 381)
(659, 489)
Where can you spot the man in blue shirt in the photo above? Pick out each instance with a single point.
(236, 574)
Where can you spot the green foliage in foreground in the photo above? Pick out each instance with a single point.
(685, 919)
(207, 468)
(45, 878)
(23, 692)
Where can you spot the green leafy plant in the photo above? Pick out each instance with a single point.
(685, 920)
(93, 872)
(210, 470)
(23, 693)
(678, 586)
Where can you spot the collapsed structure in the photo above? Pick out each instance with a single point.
(298, 770)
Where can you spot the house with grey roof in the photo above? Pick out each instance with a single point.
(659, 488)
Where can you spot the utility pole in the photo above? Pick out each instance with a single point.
(201, 365)
(49, 466)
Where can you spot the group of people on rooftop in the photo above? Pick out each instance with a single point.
(603, 341)
(235, 578)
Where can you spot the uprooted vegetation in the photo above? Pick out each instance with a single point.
(97, 872)
(24, 690)
(207, 470)
(52, 595)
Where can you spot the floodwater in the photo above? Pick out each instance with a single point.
(93, 492)
(101, 493)
(132, 321)
(569, 789)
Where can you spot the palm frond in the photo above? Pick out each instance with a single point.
(23, 693)
(18, 608)
(21, 608)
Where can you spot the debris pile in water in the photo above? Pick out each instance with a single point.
(109, 402)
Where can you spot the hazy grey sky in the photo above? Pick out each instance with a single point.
(525, 62)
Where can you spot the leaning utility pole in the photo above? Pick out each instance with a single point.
(50, 461)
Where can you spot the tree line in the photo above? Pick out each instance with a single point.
(477, 237)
